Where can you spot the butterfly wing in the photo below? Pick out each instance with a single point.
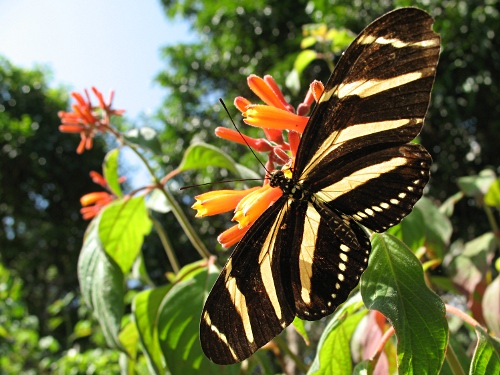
(251, 302)
(324, 266)
(354, 150)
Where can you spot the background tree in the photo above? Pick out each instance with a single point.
(263, 37)
(41, 182)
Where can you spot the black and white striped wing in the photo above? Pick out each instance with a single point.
(303, 257)
(251, 301)
(354, 151)
(284, 266)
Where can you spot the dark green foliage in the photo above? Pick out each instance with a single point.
(41, 181)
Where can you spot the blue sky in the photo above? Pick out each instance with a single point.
(110, 44)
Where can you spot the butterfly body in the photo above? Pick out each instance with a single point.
(355, 167)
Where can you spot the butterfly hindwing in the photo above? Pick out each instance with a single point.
(377, 189)
(249, 303)
(324, 267)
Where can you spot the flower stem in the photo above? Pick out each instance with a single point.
(453, 361)
(283, 346)
(176, 208)
(167, 245)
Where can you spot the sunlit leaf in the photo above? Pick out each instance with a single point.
(486, 359)
(202, 155)
(102, 284)
(411, 230)
(438, 228)
(394, 284)
(145, 314)
(178, 327)
(298, 324)
(145, 137)
(492, 197)
(491, 306)
(129, 338)
(304, 58)
(477, 186)
(122, 228)
(110, 171)
(158, 202)
(334, 352)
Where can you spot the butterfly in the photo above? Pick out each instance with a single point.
(355, 167)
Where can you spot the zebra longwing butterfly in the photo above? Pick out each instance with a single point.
(355, 165)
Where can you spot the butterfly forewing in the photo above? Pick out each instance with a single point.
(378, 93)
(306, 252)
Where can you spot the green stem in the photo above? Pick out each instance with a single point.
(284, 347)
(167, 245)
(452, 359)
(176, 208)
(493, 224)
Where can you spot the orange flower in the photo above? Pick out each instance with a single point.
(219, 201)
(274, 117)
(94, 202)
(86, 119)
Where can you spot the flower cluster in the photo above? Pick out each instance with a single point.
(87, 119)
(274, 117)
(93, 203)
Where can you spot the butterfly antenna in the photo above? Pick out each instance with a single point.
(219, 182)
(242, 136)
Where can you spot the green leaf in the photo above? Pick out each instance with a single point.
(145, 314)
(158, 202)
(491, 306)
(304, 58)
(292, 82)
(486, 359)
(476, 186)
(394, 284)
(178, 327)
(145, 137)
(102, 285)
(472, 261)
(122, 228)
(299, 326)
(438, 228)
(364, 368)
(245, 172)
(334, 353)
(411, 230)
(202, 155)
(308, 41)
(129, 338)
(110, 171)
(492, 197)
(340, 39)
(448, 205)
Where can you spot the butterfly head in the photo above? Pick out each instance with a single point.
(289, 186)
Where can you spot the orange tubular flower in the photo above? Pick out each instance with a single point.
(274, 117)
(94, 202)
(86, 119)
(264, 116)
(253, 205)
(219, 201)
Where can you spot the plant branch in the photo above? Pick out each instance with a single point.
(167, 245)
(284, 347)
(176, 208)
